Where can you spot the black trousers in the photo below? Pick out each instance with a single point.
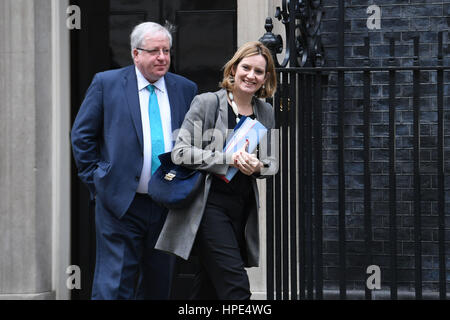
(220, 246)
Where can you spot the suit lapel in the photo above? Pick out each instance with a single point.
(132, 96)
(174, 101)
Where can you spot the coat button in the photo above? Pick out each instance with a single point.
(137, 178)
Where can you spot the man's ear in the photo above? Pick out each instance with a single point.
(135, 53)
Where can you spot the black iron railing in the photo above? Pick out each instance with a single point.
(302, 261)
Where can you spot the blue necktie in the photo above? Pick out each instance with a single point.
(156, 131)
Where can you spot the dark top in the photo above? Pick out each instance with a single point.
(240, 184)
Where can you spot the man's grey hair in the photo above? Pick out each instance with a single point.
(141, 30)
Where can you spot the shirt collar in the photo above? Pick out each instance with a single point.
(143, 83)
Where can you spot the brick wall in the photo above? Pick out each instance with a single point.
(403, 18)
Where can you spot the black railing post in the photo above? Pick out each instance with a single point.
(341, 156)
(318, 205)
(293, 194)
(270, 226)
(277, 188)
(392, 171)
(440, 173)
(367, 175)
(416, 159)
(309, 259)
(284, 148)
(302, 194)
(269, 239)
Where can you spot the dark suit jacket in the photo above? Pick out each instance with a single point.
(107, 137)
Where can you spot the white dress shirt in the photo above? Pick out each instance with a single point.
(164, 108)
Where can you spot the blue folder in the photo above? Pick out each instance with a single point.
(247, 129)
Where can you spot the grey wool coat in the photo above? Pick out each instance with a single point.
(193, 142)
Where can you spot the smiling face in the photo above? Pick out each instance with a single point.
(153, 66)
(250, 74)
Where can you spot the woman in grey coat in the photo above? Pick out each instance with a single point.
(221, 223)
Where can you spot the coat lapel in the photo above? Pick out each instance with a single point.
(222, 119)
(260, 115)
(176, 115)
(132, 96)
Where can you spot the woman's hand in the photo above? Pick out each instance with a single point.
(246, 162)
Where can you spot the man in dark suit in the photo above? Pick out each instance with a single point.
(125, 121)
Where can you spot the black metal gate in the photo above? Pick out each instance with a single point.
(361, 183)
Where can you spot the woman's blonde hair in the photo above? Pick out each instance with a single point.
(247, 50)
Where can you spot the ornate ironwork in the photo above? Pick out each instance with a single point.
(273, 42)
(303, 45)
